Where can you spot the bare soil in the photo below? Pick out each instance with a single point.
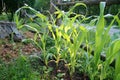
(10, 50)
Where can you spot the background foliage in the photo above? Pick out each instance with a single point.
(13, 5)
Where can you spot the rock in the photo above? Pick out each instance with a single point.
(113, 31)
(9, 28)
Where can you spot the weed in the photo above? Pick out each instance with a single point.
(19, 69)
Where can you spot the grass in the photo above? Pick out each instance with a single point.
(62, 43)
(18, 69)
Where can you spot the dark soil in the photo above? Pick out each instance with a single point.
(61, 67)
(10, 50)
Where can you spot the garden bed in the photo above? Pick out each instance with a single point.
(68, 51)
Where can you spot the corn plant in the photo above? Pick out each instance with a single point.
(68, 37)
(70, 34)
(113, 52)
(102, 38)
(43, 36)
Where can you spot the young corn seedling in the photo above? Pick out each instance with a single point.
(70, 35)
(112, 53)
(43, 27)
(101, 38)
(99, 41)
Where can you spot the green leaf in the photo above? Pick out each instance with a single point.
(78, 4)
(99, 41)
(112, 51)
(117, 66)
(118, 77)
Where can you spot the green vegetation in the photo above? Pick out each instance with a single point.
(61, 55)
(17, 69)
